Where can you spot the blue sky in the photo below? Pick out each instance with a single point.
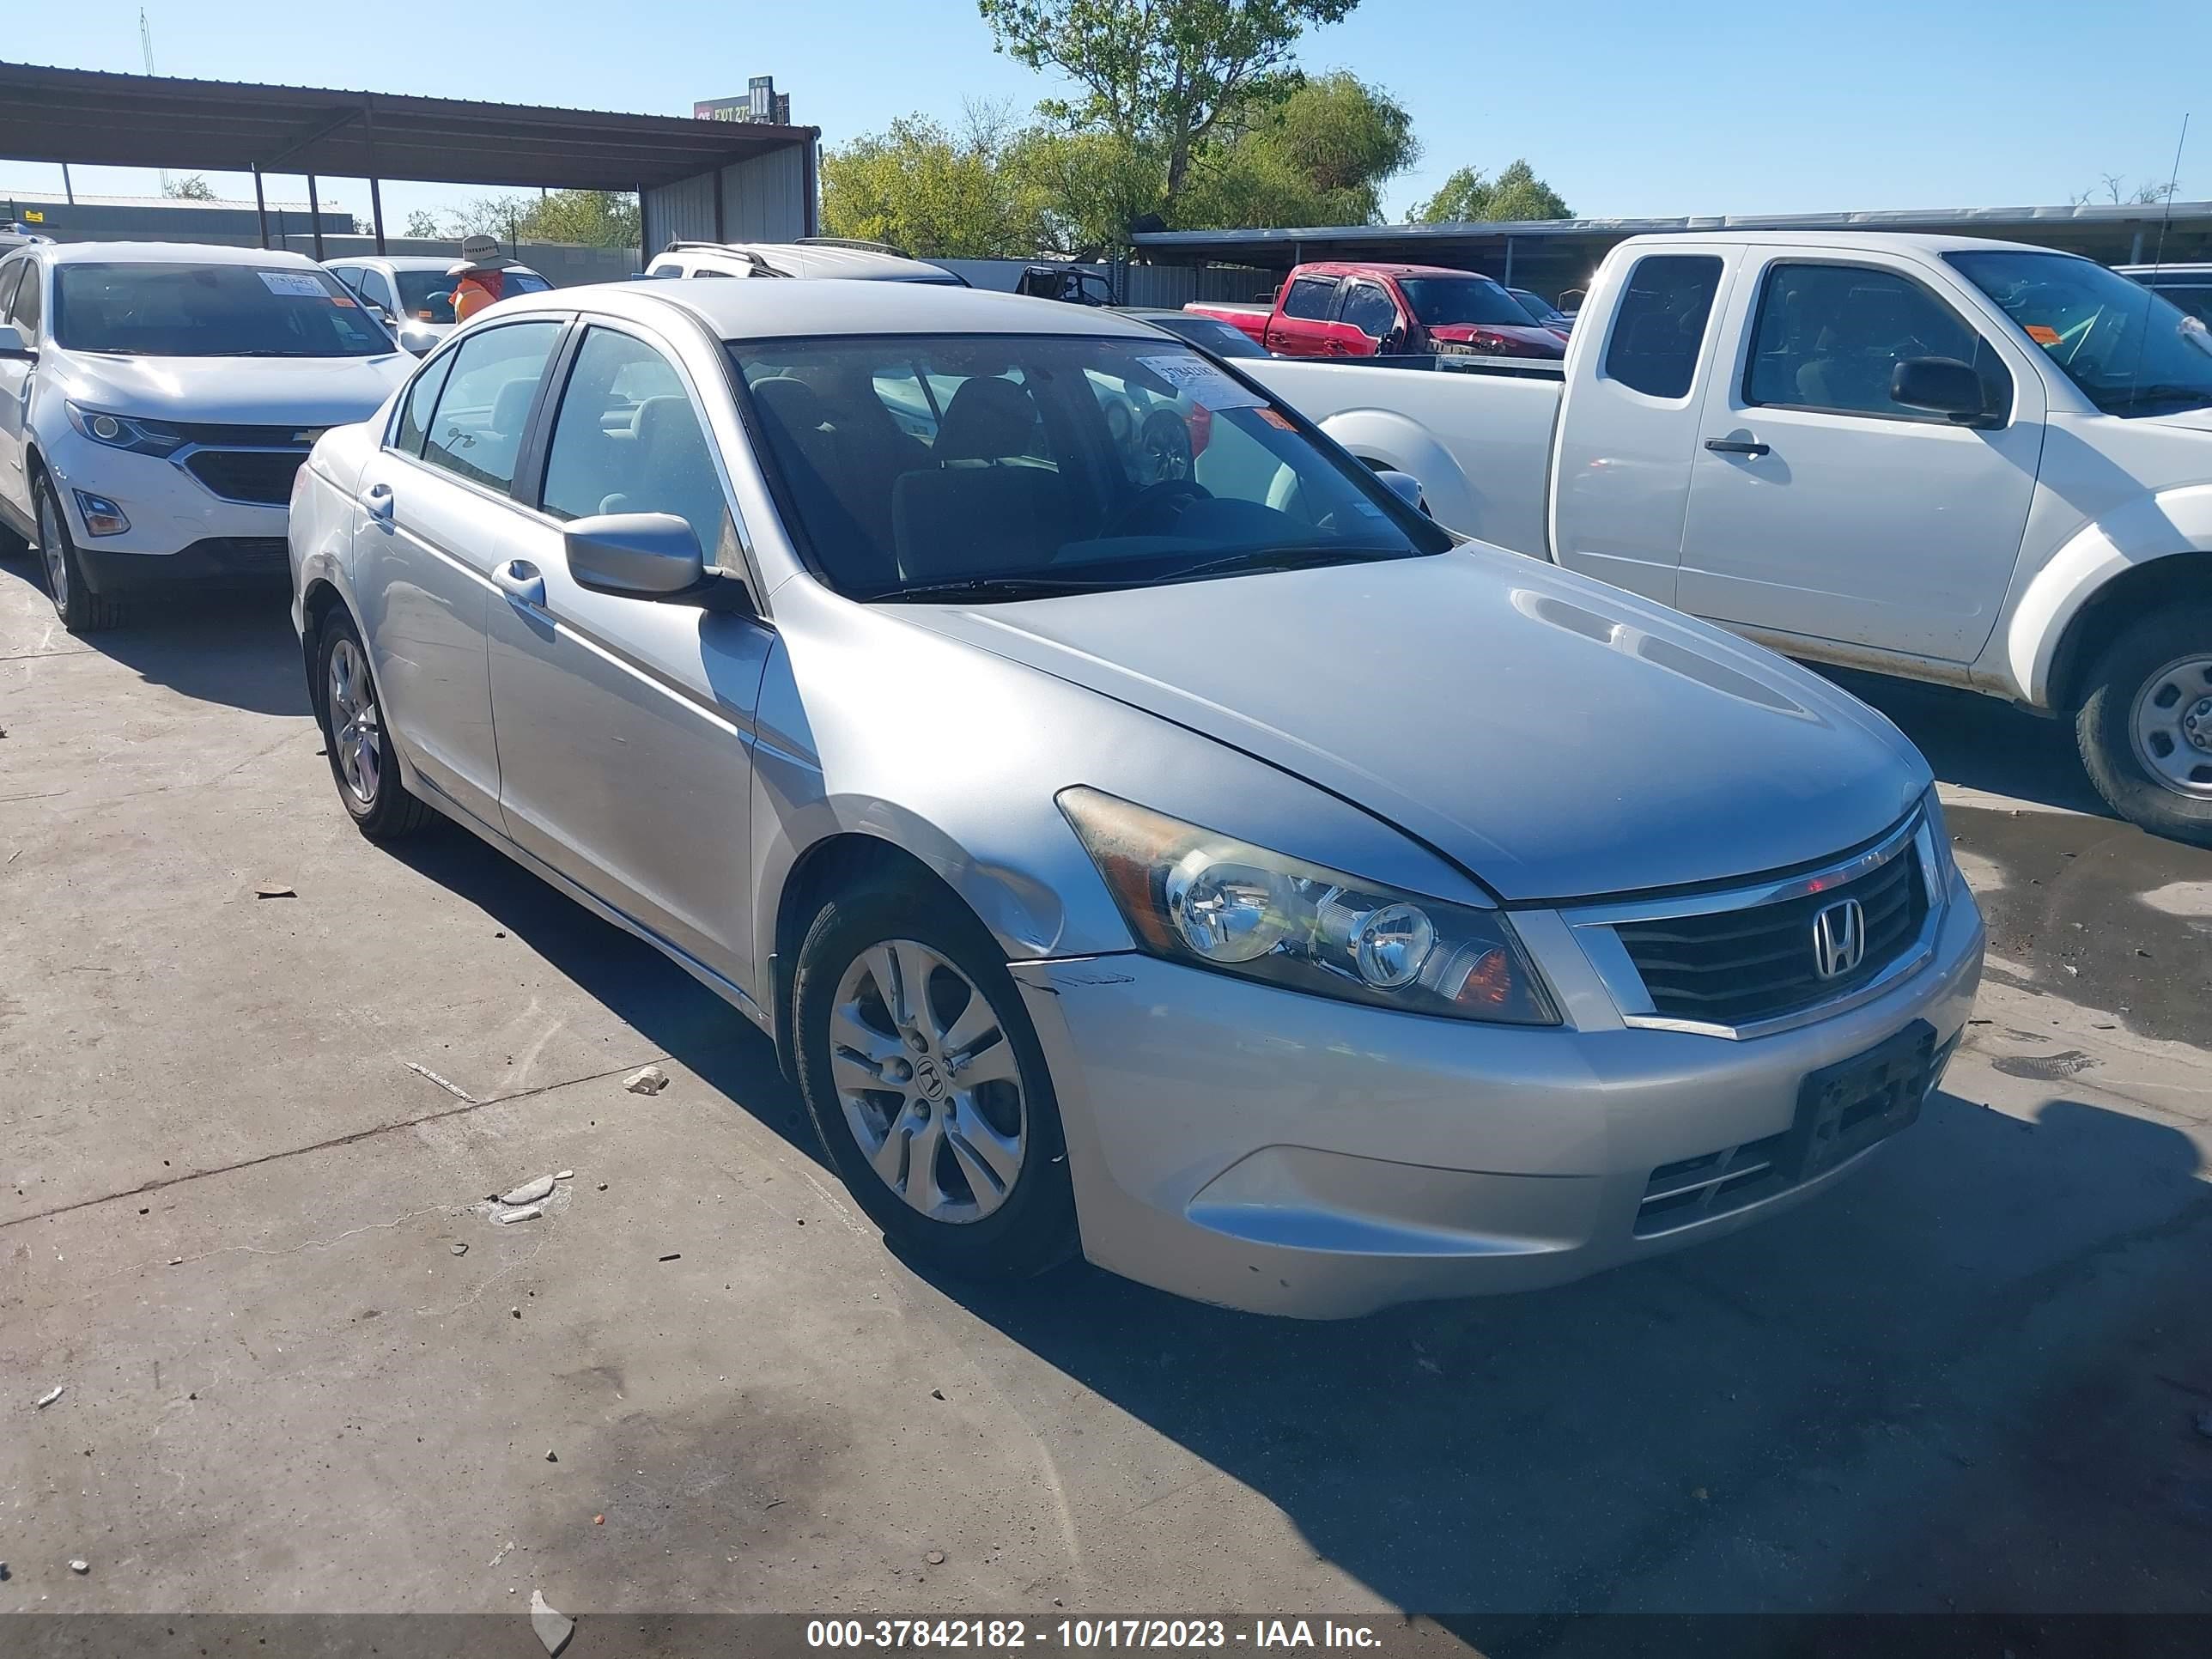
(1626, 109)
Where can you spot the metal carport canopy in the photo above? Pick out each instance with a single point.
(92, 116)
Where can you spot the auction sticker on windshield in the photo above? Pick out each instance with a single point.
(297, 283)
(1202, 383)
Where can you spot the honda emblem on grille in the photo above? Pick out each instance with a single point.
(1838, 938)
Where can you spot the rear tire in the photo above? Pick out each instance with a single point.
(352, 714)
(963, 1165)
(82, 610)
(2145, 729)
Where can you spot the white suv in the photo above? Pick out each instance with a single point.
(834, 256)
(155, 400)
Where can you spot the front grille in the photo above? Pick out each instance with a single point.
(1731, 967)
(260, 476)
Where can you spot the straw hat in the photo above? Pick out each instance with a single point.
(480, 253)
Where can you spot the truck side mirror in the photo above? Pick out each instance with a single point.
(1941, 385)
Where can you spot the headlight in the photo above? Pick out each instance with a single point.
(1941, 865)
(1192, 896)
(124, 431)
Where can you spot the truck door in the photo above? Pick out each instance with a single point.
(1628, 426)
(1821, 507)
(1299, 327)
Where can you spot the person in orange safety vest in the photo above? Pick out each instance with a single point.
(480, 277)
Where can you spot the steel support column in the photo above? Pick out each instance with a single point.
(315, 217)
(260, 207)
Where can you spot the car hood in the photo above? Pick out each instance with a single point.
(1555, 737)
(1530, 333)
(237, 391)
(2196, 420)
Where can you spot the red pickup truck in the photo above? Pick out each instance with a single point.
(1338, 309)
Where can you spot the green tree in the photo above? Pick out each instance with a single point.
(934, 192)
(1164, 77)
(193, 187)
(595, 218)
(1319, 157)
(1515, 193)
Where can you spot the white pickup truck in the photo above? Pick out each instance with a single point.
(1972, 462)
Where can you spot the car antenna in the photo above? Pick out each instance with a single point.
(2173, 184)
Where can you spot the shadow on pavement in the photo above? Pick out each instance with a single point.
(235, 646)
(1755, 1424)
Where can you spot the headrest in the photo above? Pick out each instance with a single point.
(987, 418)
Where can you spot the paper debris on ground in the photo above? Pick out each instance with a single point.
(647, 1081)
(47, 1399)
(529, 1192)
(553, 1627)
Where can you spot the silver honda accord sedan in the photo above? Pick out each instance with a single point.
(1140, 833)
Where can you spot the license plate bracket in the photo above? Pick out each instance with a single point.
(1843, 1108)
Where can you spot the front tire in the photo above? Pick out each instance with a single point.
(2145, 730)
(82, 610)
(360, 748)
(925, 1078)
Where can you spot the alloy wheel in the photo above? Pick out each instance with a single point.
(2172, 726)
(928, 1081)
(356, 735)
(50, 549)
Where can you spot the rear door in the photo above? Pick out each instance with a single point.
(1628, 423)
(437, 518)
(625, 724)
(1299, 326)
(1820, 508)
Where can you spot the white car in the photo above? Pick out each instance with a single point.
(416, 294)
(1976, 463)
(834, 256)
(156, 399)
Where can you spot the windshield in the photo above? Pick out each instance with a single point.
(1537, 307)
(2131, 351)
(1017, 467)
(211, 311)
(427, 296)
(1222, 339)
(1448, 300)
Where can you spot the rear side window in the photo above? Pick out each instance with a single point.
(1309, 298)
(1661, 321)
(477, 433)
(1829, 337)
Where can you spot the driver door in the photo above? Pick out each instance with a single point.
(1820, 508)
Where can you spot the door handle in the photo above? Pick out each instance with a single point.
(378, 501)
(521, 581)
(1735, 446)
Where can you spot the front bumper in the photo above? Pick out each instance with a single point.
(1288, 1154)
(181, 533)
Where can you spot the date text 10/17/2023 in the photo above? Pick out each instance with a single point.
(1010, 1635)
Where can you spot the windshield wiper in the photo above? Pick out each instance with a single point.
(2196, 395)
(996, 589)
(1254, 560)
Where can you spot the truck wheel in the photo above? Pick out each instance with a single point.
(920, 1067)
(82, 610)
(2146, 729)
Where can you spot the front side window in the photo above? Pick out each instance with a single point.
(1369, 310)
(11, 272)
(477, 433)
(1661, 323)
(1055, 465)
(27, 309)
(627, 439)
(1309, 298)
(181, 310)
(1830, 336)
(2131, 351)
(1446, 301)
(374, 289)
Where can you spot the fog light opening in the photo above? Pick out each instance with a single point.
(102, 516)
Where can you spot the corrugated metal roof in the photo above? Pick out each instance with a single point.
(96, 117)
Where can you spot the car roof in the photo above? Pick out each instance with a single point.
(1872, 237)
(439, 263)
(173, 253)
(781, 308)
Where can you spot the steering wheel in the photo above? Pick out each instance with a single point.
(1164, 441)
(1155, 509)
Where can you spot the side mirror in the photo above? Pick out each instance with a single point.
(1941, 385)
(635, 555)
(17, 345)
(377, 312)
(1404, 485)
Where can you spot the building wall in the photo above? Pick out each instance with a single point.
(161, 221)
(767, 198)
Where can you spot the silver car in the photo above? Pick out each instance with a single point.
(1138, 831)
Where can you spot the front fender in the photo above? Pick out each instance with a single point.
(2156, 524)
